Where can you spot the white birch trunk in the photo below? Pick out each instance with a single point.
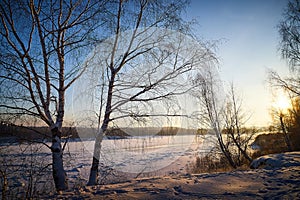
(96, 158)
(59, 175)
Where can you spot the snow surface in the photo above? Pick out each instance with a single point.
(30, 165)
(272, 161)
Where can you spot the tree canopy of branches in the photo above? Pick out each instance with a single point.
(144, 65)
(289, 29)
(42, 44)
(223, 114)
(238, 135)
(209, 94)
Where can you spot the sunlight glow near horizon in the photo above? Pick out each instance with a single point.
(247, 40)
(282, 103)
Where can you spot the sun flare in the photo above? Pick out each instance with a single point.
(282, 103)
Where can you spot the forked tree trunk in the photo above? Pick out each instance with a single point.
(244, 152)
(59, 174)
(224, 149)
(227, 154)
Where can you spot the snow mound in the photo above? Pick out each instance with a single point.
(274, 161)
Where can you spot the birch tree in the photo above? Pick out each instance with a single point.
(223, 113)
(211, 97)
(144, 66)
(235, 119)
(289, 30)
(42, 44)
(289, 46)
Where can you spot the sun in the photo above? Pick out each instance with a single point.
(282, 103)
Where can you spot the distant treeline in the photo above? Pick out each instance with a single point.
(23, 133)
(27, 133)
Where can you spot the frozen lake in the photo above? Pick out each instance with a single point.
(155, 155)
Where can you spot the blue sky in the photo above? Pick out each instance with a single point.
(247, 38)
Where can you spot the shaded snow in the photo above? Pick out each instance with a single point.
(272, 161)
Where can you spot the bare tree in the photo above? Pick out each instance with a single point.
(287, 119)
(289, 30)
(42, 44)
(211, 101)
(289, 84)
(141, 69)
(224, 115)
(234, 126)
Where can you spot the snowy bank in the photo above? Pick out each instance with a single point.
(274, 161)
(280, 182)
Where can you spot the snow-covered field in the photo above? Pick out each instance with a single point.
(159, 163)
(277, 177)
(27, 167)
